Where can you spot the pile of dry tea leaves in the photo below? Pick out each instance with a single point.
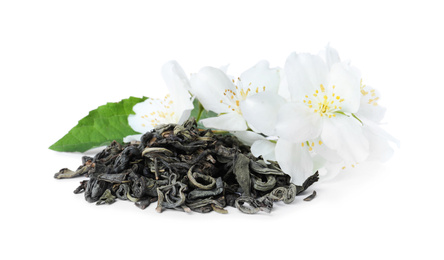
(183, 167)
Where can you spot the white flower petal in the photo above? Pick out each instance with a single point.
(346, 81)
(178, 85)
(371, 112)
(224, 68)
(175, 78)
(305, 73)
(283, 86)
(325, 152)
(264, 148)
(261, 111)
(318, 162)
(344, 135)
(247, 137)
(131, 138)
(228, 122)
(369, 107)
(380, 150)
(209, 86)
(294, 160)
(146, 115)
(184, 117)
(331, 170)
(331, 56)
(260, 76)
(297, 123)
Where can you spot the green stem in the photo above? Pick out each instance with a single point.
(342, 113)
(357, 119)
(199, 114)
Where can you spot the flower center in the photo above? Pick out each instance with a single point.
(311, 144)
(324, 103)
(239, 94)
(164, 113)
(370, 95)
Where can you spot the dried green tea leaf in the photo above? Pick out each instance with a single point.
(312, 196)
(106, 198)
(183, 167)
(242, 172)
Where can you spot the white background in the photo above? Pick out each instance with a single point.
(61, 59)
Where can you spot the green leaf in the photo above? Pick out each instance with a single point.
(199, 111)
(100, 127)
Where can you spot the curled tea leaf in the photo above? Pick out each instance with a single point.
(311, 196)
(106, 198)
(208, 179)
(242, 172)
(269, 184)
(254, 205)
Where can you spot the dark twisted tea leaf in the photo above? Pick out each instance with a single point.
(81, 188)
(125, 157)
(255, 205)
(171, 196)
(94, 189)
(106, 198)
(220, 210)
(67, 173)
(261, 167)
(307, 183)
(182, 131)
(122, 191)
(208, 204)
(182, 167)
(139, 187)
(112, 178)
(285, 194)
(269, 184)
(310, 197)
(208, 179)
(151, 186)
(131, 198)
(201, 193)
(242, 172)
(153, 151)
(143, 204)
